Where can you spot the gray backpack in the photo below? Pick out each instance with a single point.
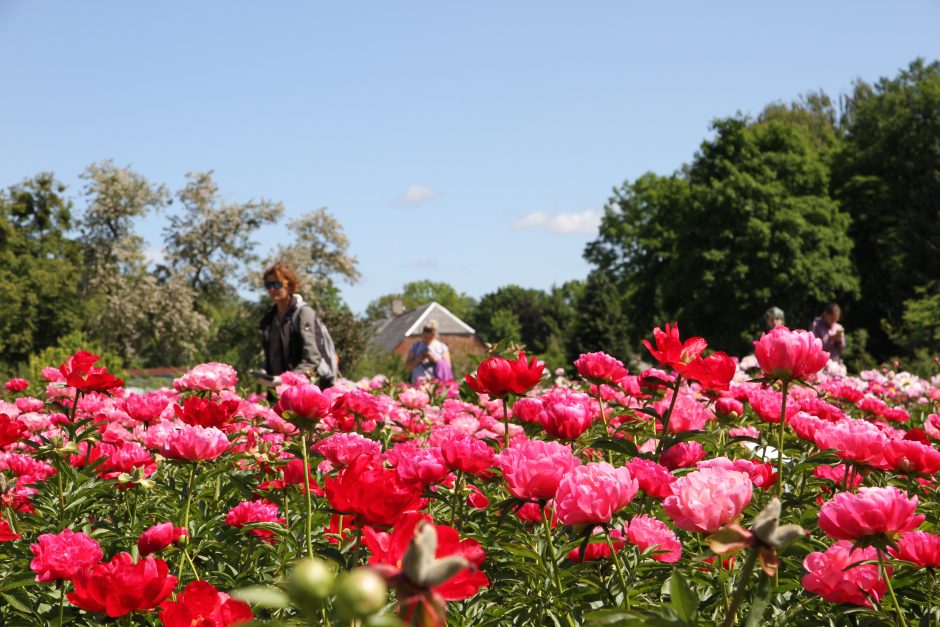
(328, 369)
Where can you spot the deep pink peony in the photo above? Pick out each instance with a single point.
(119, 587)
(600, 368)
(566, 415)
(593, 493)
(856, 440)
(254, 512)
(342, 448)
(16, 385)
(209, 377)
(682, 455)
(425, 466)
(920, 548)
(868, 512)
(159, 537)
(533, 469)
(830, 577)
(195, 444)
(598, 550)
(785, 354)
(145, 407)
(647, 532)
(707, 499)
(761, 473)
(911, 456)
(729, 406)
(467, 454)
(61, 556)
(653, 478)
(305, 402)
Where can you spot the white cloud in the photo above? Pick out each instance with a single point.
(584, 222)
(416, 195)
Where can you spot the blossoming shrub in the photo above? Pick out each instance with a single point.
(512, 498)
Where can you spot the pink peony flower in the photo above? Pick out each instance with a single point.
(830, 577)
(528, 409)
(29, 404)
(61, 556)
(467, 454)
(533, 469)
(145, 407)
(414, 398)
(425, 466)
(593, 493)
(600, 368)
(761, 473)
(598, 550)
(342, 448)
(16, 385)
(159, 537)
(567, 415)
(682, 455)
(785, 354)
(647, 532)
(305, 402)
(857, 440)
(260, 511)
(195, 444)
(920, 548)
(707, 499)
(744, 432)
(870, 511)
(654, 479)
(728, 406)
(210, 377)
(911, 456)
(766, 404)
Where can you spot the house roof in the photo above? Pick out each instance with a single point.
(391, 332)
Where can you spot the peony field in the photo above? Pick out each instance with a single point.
(706, 490)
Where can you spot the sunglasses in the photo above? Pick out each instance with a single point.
(273, 285)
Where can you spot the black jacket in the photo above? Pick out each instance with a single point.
(300, 353)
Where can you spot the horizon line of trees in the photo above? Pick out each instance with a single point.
(806, 203)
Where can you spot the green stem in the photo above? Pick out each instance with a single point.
(506, 422)
(667, 415)
(551, 550)
(618, 566)
(600, 404)
(894, 599)
(308, 527)
(783, 426)
(61, 601)
(189, 499)
(455, 502)
(742, 585)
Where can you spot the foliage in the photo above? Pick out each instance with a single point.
(600, 324)
(886, 179)
(416, 293)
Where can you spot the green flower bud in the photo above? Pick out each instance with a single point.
(360, 593)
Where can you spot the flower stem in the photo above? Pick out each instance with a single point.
(894, 599)
(783, 426)
(618, 566)
(667, 415)
(308, 526)
(600, 404)
(189, 499)
(455, 502)
(551, 550)
(506, 422)
(61, 601)
(742, 585)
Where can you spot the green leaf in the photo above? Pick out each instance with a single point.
(683, 599)
(263, 596)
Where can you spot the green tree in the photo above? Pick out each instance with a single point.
(39, 269)
(600, 324)
(530, 316)
(417, 293)
(887, 177)
(750, 223)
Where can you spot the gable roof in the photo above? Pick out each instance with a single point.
(391, 332)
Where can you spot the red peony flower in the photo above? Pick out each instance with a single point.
(785, 354)
(159, 537)
(671, 351)
(16, 385)
(598, 550)
(79, 373)
(830, 576)
(119, 587)
(498, 377)
(868, 512)
(376, 495)
(713, 372)
(204, 412)
(200, 604)
(11, 430)
(6, 531)
(61, 556)
(260, 511)
(388, 550)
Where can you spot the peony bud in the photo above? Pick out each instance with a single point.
(360, 593)
(311, 580)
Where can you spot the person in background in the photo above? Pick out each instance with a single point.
(429, 357)
(827, 328)
(287, 328)
(774, 317)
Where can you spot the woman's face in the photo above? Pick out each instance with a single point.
(277, 288)
(428, 336)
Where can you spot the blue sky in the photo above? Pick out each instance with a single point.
(474, 144)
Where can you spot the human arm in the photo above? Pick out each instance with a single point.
(310, 357)
(415, 355)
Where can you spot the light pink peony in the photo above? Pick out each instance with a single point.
(600, 368)
(785, 354)
(868, 512)
(593, 493)
(193, 443)
(342, 448)
(145, 407)
(647, 532)
(533, 469)
(414, 398)
(830, 577)
(707, 499)
(209, 377)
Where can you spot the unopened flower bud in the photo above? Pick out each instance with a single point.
(311, 580)
(360, 593)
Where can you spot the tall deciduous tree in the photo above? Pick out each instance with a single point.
(887, 178)
(416, 293)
